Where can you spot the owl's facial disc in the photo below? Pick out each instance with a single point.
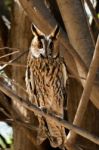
(41, 44)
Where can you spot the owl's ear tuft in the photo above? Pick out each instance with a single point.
(55, 33)
(35, 30)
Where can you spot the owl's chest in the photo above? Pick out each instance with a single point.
(45, 80)
(45, 71)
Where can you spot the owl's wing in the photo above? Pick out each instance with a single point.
(65, 75)
(41, 135)
(29, 82)
(65, 79)
(56, 133)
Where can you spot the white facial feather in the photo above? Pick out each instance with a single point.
(36, 52)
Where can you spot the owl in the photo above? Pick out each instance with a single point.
(46, 78)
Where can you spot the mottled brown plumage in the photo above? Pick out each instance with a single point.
(46, 78)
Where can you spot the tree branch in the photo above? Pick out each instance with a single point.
(86, 94)
(18, 118)
(5, 103)
(93, 13)
(13, 60)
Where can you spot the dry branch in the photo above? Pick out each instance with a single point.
(5, 107)
(20, 122)
(5, 103)
(37, 12)
(47, 115)
(13, 60)
(86, 94)
(17, 118)
(6, 55)
(93, 13)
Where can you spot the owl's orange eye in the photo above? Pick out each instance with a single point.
(40, 45)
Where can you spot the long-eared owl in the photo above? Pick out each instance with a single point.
(46, 78)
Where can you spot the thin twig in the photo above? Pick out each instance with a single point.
(9, 48)
(82, 78)
(12, 64)
(4, 102)
(13, 82)
(6, 55)
(50, 116)
(4, 66)
(93, 13)
(21, 123)
(86, 94)
(4, 112)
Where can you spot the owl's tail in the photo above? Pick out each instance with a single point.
(56, 134)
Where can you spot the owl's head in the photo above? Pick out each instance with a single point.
(42, 45)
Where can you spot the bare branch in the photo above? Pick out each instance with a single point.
(9, 48)
(93, 13)
(21, 123)
(13, 60)
(4, 112)
(5, 103)
(86, 94)
(17, 118)
(6, 55)
(10, 63)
